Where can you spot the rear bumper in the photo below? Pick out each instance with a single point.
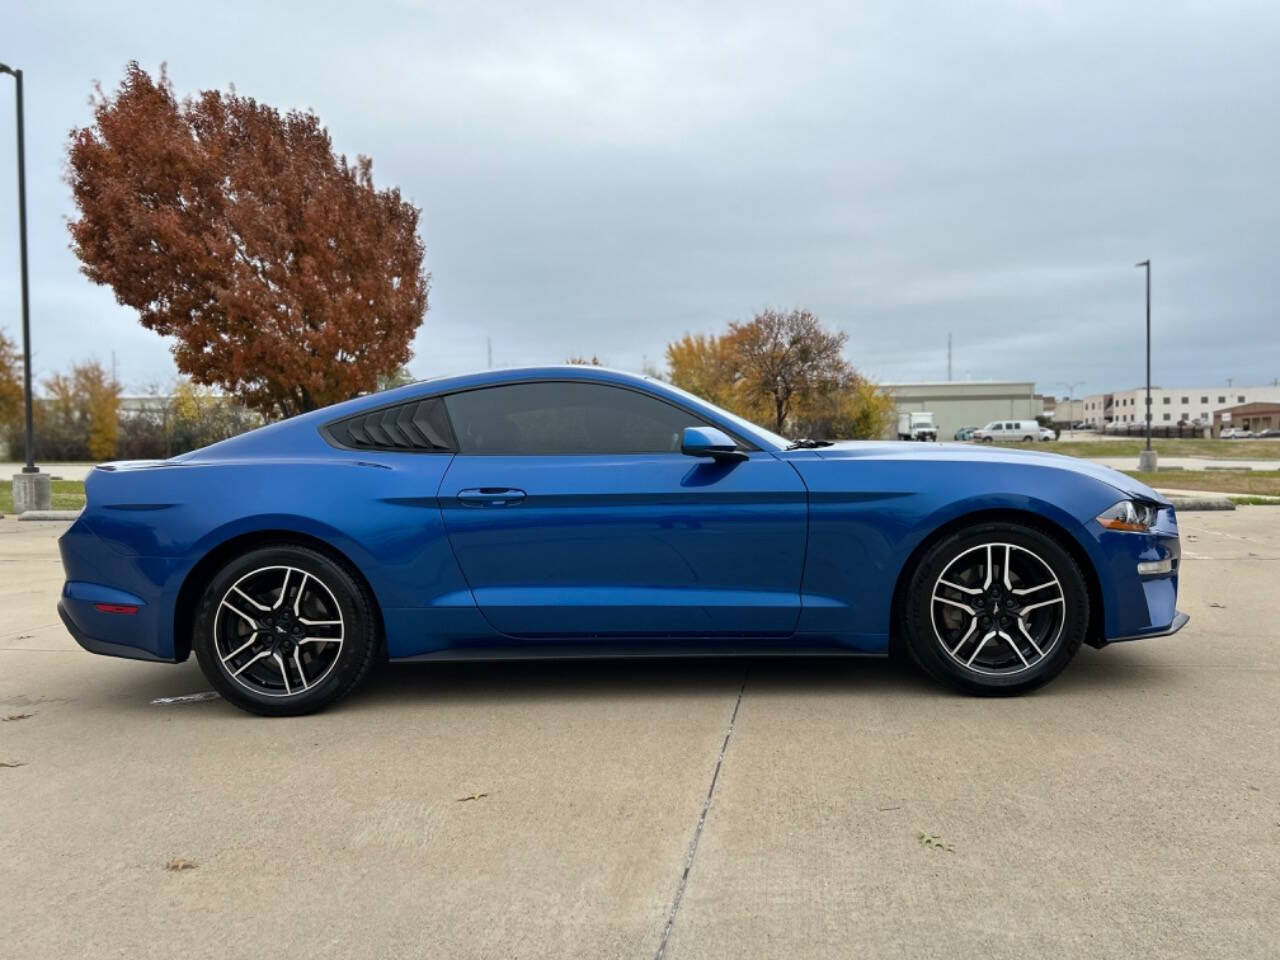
(105, 647)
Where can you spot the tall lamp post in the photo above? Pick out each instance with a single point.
(1147, 458)
(31, 488)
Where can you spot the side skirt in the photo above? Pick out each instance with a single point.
(648, 651)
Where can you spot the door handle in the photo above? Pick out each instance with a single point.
(490, 496)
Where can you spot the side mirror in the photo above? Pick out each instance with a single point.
(709, 442)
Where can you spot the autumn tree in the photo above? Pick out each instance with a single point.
(283, 275)
(10, 383)
(785, 359)
(784, 370)
(706, 366)
(81, 412)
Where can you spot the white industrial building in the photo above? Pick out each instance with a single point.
(967, 403)
(1172, 405)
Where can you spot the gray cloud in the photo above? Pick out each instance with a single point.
(602, 178)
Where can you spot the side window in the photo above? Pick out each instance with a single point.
(1011, 426)
(564, 418)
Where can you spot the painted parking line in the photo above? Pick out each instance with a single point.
(186, 698)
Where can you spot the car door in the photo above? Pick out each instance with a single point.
(573, 514)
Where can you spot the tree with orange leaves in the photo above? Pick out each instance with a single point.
(785, 370)
(283, 274)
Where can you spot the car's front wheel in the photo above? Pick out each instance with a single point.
(284, 630)
(996, 608)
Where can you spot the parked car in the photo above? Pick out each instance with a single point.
(1048, 433)
(1026, 431)
(577, 511)
(1273, 432)
(964, 433)
(1235, 433)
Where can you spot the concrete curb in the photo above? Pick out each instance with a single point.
(49, 515)
(1184, 504)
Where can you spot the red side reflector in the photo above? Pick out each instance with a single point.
(126, 608)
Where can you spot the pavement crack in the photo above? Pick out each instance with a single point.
(702, 821)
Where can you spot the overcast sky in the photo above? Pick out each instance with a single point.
(603, 177)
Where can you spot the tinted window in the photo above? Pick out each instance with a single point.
(564, 418)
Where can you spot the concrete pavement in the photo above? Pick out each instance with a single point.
(1132, 808)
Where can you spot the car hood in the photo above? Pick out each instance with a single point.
(969, 453)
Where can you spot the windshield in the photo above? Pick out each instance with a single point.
(753, 430)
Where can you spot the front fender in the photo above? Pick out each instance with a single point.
(868, 516)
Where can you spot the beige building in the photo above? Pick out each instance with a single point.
(1098, 408)
(1065, 410)
(968, 403)
(1173, 405)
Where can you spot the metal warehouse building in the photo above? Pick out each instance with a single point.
(968, 403)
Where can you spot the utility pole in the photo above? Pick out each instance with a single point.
(32, 489)
(948, 358)
(1147, 458)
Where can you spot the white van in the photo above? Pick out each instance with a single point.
(1026, 431)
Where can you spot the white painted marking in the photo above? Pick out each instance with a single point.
(186, 698)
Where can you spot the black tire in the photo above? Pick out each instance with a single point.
(343, 600)
(920, 615)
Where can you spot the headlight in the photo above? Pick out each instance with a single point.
(1132, 516)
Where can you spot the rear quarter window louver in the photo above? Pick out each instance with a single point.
(421, 426)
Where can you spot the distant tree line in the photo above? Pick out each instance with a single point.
(79, 416)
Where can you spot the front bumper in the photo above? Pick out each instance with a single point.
(1139, 575)
(1179, 621)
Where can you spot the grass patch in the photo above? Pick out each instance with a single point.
(1257, 482)
(1247, 501)
(67, 495)
(1175, 447)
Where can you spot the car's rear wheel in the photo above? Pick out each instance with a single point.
(284, 630)
(997, 608)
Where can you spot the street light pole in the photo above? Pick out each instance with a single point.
(31, 488)
(1147, 459)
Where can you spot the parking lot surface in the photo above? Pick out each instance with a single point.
(684, 809)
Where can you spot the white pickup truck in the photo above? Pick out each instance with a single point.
(917, 426)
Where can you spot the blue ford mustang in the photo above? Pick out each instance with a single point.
(575, 511)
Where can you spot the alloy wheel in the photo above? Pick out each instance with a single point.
(998, 609)
(278, 631)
